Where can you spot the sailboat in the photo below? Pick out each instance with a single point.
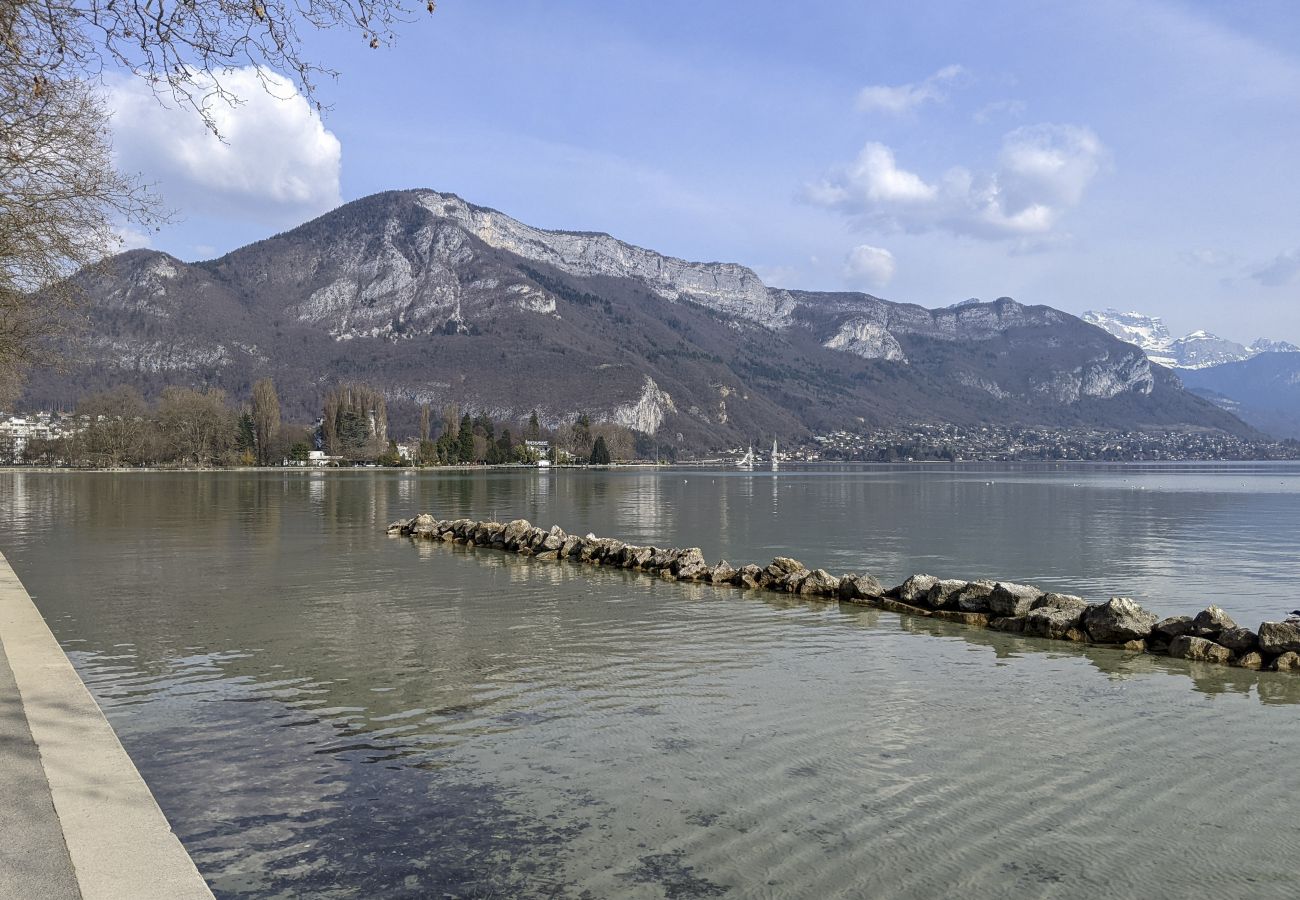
(746, 461)
(776, 460)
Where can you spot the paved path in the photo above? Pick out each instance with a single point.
(34, 861)
(76, 818)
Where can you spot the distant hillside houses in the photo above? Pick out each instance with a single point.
(17, 431)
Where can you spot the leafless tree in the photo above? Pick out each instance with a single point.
(424, 423)
(117, 428)
(61, 194)
(60, 197)
(266, 419)
(199, 426)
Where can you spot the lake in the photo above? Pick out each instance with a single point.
(326, 711)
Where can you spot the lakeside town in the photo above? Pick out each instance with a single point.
(190, 428)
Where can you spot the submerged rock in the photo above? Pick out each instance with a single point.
(1251, 660)
(1187, 646)
(1287, 662)
(1009, 624)
(1117, 621)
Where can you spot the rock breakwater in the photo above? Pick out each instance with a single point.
(1210, 636)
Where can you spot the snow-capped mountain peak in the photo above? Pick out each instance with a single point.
(1198, 350)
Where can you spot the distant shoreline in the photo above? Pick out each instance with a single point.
(706, 465)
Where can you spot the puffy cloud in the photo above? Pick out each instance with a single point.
(1042, 171)
(275, 161)
(1281, 270)
(867, 266)
(903, 98)
(873, 178)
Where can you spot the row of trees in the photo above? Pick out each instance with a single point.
(185, 427)
(192, 427)
(466, 439)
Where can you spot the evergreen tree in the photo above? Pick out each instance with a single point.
(534, 432)
(600, 452)
(466, 439)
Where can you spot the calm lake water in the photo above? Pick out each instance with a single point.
(325, 711)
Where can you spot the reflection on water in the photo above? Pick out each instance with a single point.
(325, 711)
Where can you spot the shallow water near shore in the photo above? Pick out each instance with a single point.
(322, 710)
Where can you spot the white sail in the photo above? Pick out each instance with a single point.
(746, 461)
(776, 460)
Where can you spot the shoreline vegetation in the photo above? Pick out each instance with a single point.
(1210, 636)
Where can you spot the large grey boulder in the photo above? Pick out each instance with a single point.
(1008, 599)
(974, 597)
(784, 565)
(722, 573)
(553, 540)
(1175, 626)
(820, 583)
(943, 593)
(914, 590)
(1210, 621)
(1238, 640)
(1187, 646)
(747, 577)
(1279, 637)
(1060, 601)
(1117, 621)
(860, 587)
(1052, 622)
(689, 565)
(514, 532)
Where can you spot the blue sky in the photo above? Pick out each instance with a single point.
(1140, 155)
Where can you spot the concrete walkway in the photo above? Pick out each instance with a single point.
(76, 818)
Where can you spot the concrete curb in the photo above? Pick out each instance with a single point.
(120, 843)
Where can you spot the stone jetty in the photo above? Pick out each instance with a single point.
(1210, 636)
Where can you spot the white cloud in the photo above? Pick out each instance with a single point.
(1283, 269)
(988, 112)
(1042, 171)
(277, 164)
(129, 238)
(867, 266)
(903, 98)
(874, 177)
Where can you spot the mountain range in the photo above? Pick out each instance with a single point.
(434, 300)
(1259, 383)
(1198, 350)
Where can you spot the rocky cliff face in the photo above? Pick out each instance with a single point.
(435, 300)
